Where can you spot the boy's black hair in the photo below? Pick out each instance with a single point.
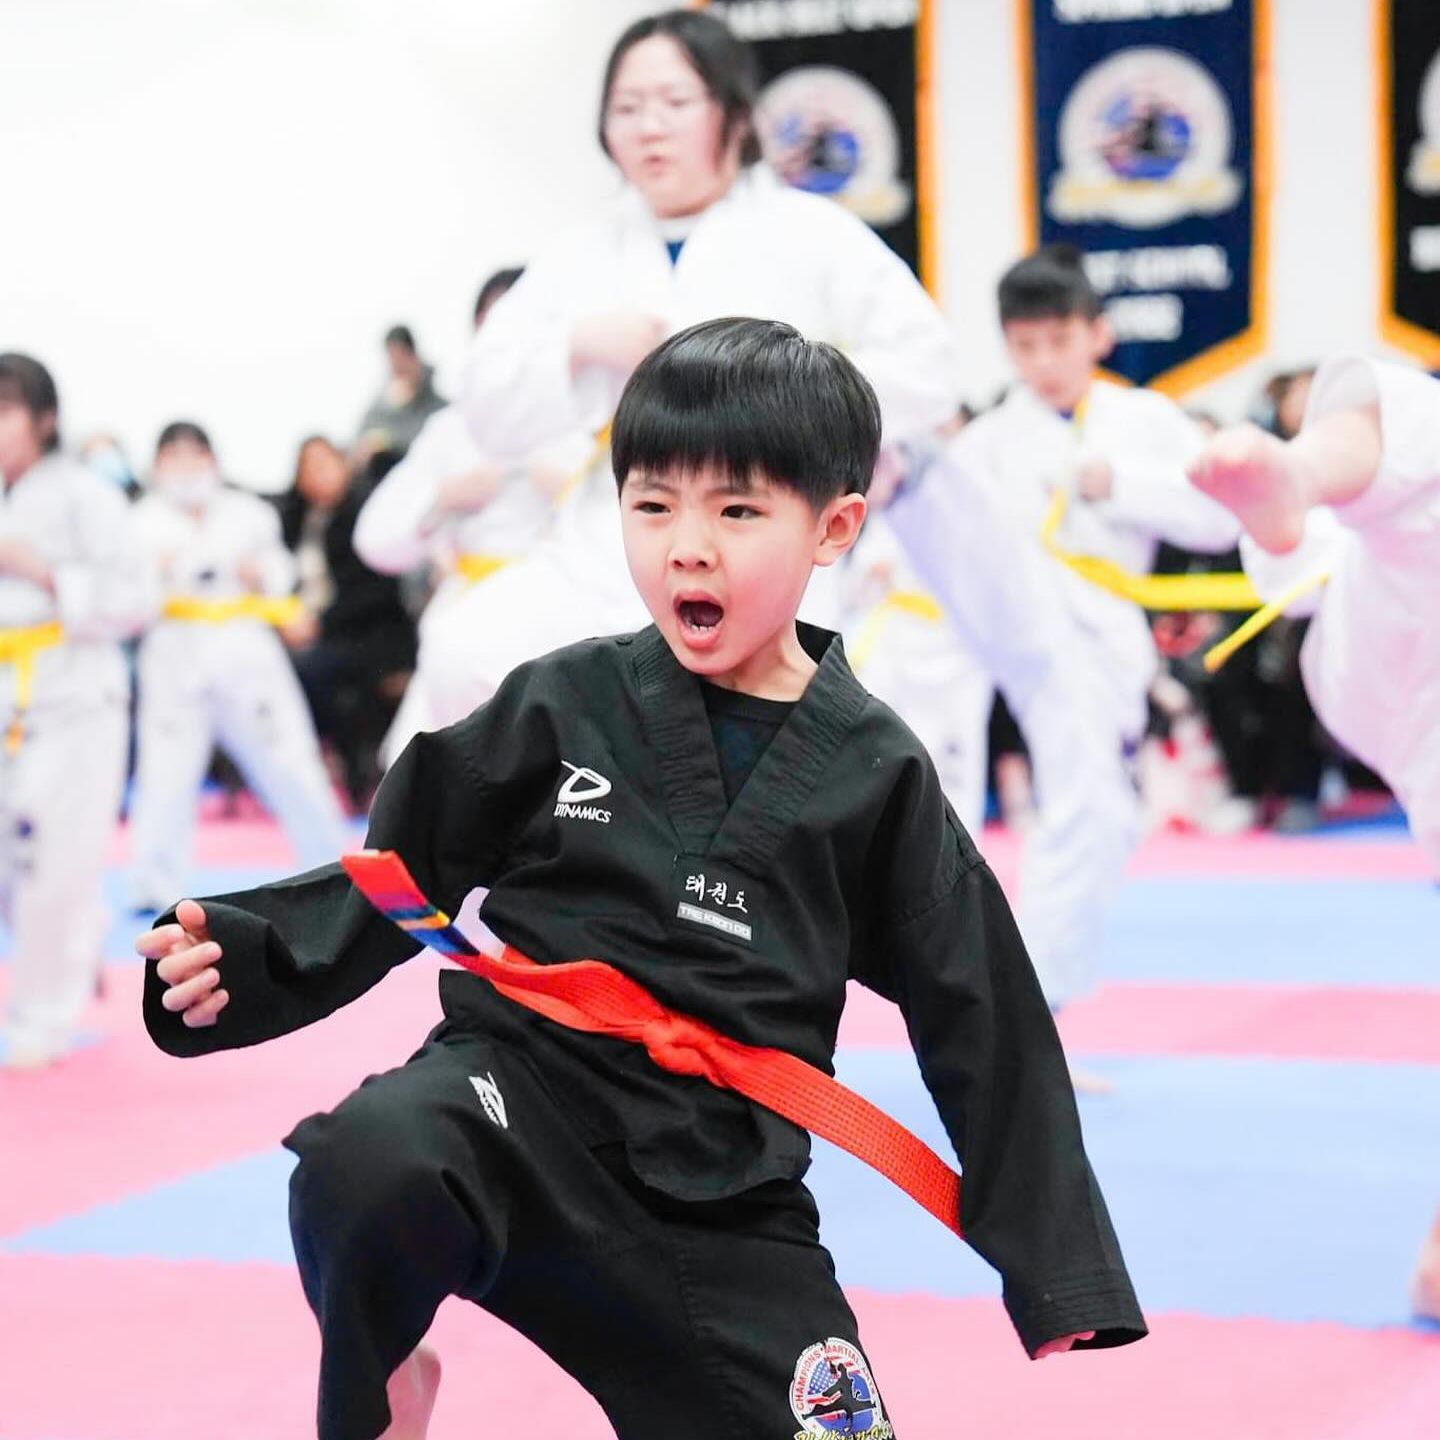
(750, 398)
(401, 335)
(178, 430)
(723, 61)
(26, 382)
(495, 287)
(1049, 284)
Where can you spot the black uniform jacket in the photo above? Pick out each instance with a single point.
(587, 796)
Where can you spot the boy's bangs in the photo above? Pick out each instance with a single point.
(745, 399)
(728, 433)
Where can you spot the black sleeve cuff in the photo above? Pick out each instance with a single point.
(1100, 1300)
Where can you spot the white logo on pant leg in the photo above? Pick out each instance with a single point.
(583, 784)
(491, 1098)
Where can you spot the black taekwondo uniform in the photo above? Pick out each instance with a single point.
(649, 1230)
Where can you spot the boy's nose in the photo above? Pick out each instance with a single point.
(691, 548)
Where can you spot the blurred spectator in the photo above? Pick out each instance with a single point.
(106, 457)
(396, 414)
(355, 652)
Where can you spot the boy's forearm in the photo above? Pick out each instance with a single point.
(291, 954)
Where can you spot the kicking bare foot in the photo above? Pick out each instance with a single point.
(1253, 475)
(411, 1393)
(1425, 1288)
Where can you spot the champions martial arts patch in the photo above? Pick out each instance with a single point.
(834, 1393)
(714, 899)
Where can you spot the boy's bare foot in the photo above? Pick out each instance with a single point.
(411, 1393)
(1251, 473)
(1425, 1288)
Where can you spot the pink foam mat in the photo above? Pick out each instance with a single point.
(255, 840)
(1276, 1021)
(126, 1350)
(183, 1115)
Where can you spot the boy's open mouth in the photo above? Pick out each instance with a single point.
(699, 619)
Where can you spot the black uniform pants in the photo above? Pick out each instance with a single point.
(459, 1173)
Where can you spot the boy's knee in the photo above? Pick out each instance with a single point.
(356, 1167)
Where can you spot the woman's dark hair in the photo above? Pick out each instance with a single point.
(304, 445)
(495, 287)
(401, 335)
(178, 430)
(723, 61)
(750, 398)
(26, 382)
(1049, 284)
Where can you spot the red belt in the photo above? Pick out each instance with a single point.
(592, 996)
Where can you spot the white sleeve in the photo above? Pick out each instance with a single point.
(1320, 550)
(1151, 493)
(516, 389)
(109, 590)
(886, 323)
(278, 571)
(1406, 489)
(391, 534)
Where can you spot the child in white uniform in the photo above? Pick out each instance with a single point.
(213, 670)
(702, 229)
(1119, 455)
(1357, 495)
(71, 587)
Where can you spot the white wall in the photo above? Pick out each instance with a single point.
(214, 208)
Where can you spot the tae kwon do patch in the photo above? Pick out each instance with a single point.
(715, 899)
(834, 1393)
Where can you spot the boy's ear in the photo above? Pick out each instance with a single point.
(840, 527)
(1104, 336)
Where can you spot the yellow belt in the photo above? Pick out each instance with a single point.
(596, 455)
(19, 647)
(1178, 592)
(897, 602)
(272, 610)
(475, 567)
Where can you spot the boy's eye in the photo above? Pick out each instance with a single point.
(740, 512)
(650, 507)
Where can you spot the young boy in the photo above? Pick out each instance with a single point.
(1119, 454)
(651, 1231)
(1357, 495)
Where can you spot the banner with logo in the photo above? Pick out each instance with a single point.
(1408, 54)
(845, 108)
(1148, 142)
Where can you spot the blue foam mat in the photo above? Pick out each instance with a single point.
(1284, 1190)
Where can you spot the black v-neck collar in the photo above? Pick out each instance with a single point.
(748, 832)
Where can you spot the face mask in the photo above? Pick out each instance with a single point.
(110, 465)
(191, 488)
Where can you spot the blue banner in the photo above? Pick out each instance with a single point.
(1148, 141)
(1408, 54)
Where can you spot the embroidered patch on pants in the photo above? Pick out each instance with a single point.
(834, 1393)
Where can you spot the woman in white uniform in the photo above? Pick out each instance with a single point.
(72, 586)
(1356, 496)
(701, 229)
(213, 671)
